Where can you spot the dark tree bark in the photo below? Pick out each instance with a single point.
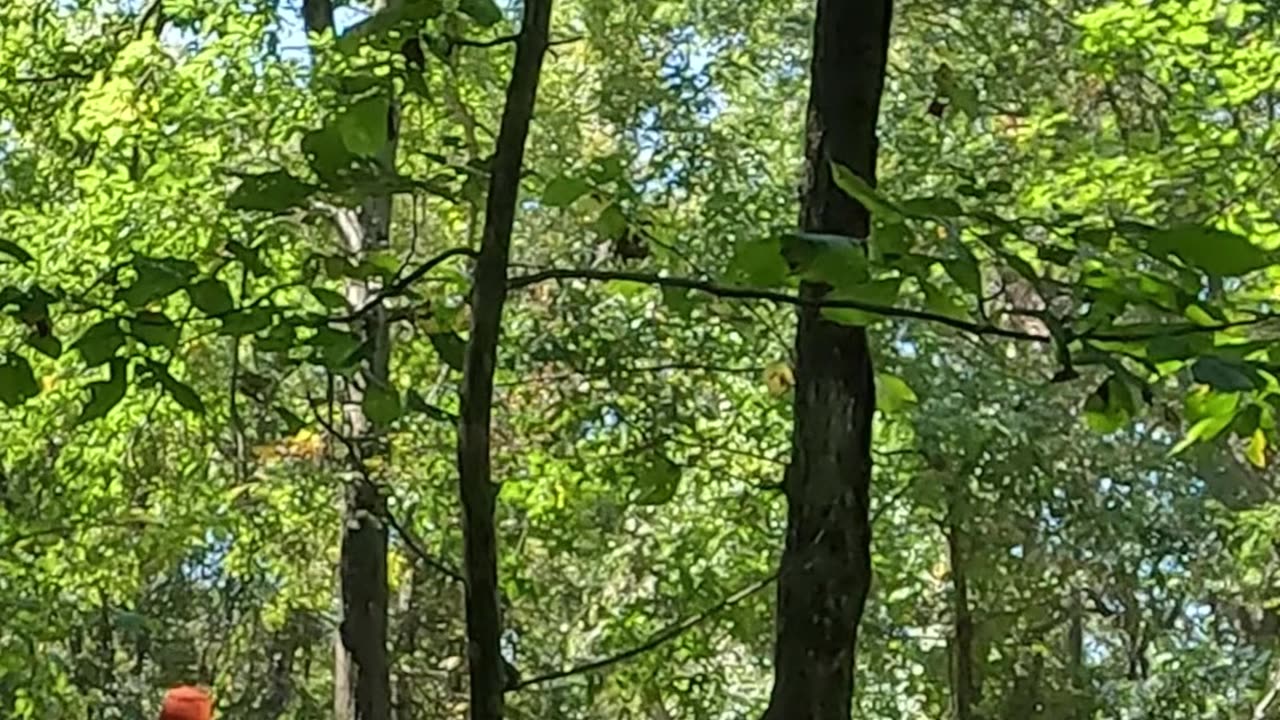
(963, 689)
(825, 572)
(362, 680)
(488, 296)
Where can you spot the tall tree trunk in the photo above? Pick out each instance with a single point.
(488, 296)
(362, 682)
(826, 563)
(962, 676)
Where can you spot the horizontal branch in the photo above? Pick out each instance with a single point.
(661, 637)
(742, 293)
(398, 287)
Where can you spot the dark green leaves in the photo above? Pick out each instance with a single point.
(381, 403)
(10, 248)
(1225, 375)
(1214, 251)
(656, 480)
(451, 348)
(1111, 406)
(17, 382)
(275, 191)
(363, 127)
(155, 279)
(246, 322)
(860, 190)
(758, 263)
(100, 342)
(484, 12)
(154, 329)
(178, 390)
(211, 296)
(105, 395)
(562, 191)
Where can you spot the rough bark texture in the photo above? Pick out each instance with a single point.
(488, 296)
(362, 682)
(826, 563)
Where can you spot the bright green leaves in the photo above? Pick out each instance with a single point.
(155, 279)
(363, 127)
(1217, 252)
(275, 191)
(106, 394)
(893, 394)
(17, 381)
(860, 190)
(758, 263)
(13, 250)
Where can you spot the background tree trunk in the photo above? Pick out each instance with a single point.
(362, 682)
(826, 563)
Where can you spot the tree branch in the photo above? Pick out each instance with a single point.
(661, 637)
(405, 282)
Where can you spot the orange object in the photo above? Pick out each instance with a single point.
(186, 703)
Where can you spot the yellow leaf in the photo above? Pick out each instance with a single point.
(1257, 452)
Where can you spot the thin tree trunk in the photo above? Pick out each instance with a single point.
(826, 563)
(962, 677)
(488, 296)
(362, 682)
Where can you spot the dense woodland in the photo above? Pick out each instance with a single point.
(782, 359)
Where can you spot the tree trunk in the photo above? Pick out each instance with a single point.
(488, 296)
(962, 676)
(362, 682)
(826, 563)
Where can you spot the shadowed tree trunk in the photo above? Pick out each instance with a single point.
(963, 689)
(488, 296)
(825, 571)
(362, 682)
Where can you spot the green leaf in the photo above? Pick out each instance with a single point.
(940, 303)
(657, 481)
(964, 270)
(758, 263)
(329, 298)
(1225, 375)
(564, 190)
(611, 223)
(1257, 450)
(246, 322)
(1097, 237)
(155, 329)
(292, 422)
(836, 260)
(275, 191)
(1178, 347)
(860, 190)
(1206, 429)
(364, 125)
(381, 403)
(931, 207)
(181, 393)
(105, 395)
(17, 381)
(1111, 406)
(249, 258)
(451, 348)
(157, 279)
(46, 344)
(337, 348)
(100, 342)
(881, 293)
(1214, 251)
(893, 394)
(211, 296)
(484, 12)
(10, 248)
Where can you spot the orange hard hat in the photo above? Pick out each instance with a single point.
(186, 703)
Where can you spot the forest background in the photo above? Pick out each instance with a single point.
(247, 276)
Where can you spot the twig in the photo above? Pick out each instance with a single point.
(505, 40)
(410, 539)
(404, 283)
(661, 637)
